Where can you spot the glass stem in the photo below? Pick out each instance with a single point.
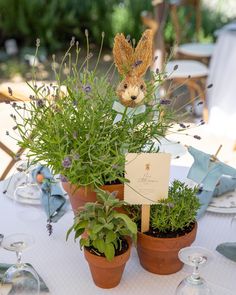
(196, 274)
(18, 257)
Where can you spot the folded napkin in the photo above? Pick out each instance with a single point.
(226, 184)
(52, 198)
(228, 250)
(207, 172)
(6, 289)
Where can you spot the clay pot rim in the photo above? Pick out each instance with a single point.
(116, 261)
(75, 187)
(151, 238)
(90, 186)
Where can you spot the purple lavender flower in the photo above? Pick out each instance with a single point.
(137, 63)
(200, 103)
(49, 227)
(197, 137)
(202, 122)
(10, 91)
(66, 163)
(40, 103)
(63, 178)
(114, 194)
(170, 205)
(175, 67)
(87, 88)
(182, 125)
(17, 157)
(75, 103)
(165, 101)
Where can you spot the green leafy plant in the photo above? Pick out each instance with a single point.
(174, 213)
(105, 228)
(177, 211)
(70, 126)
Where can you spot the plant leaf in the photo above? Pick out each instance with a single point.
(69, 232)
(82, 224)
(84, 242)
(129, 223)
(78, 233)
(110, 237)
(109, 251)
(97, 228)
(100, 245)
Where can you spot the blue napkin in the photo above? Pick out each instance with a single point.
(52, 198)
(228, 250)
(226, 184)
(207, 172)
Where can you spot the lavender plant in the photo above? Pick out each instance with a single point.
(70, 125)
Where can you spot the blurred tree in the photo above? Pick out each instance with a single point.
(56, 21)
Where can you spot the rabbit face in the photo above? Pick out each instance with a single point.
(132, 63)
(131, 91)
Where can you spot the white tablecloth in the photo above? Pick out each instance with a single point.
(65, 271)
(221, 98)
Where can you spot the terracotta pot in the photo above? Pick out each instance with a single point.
(80, 196)
(160, 255)
(107, 274)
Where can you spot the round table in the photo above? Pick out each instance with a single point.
(63, 268)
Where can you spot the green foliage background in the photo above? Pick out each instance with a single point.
(54, 21)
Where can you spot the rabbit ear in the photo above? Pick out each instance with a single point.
(123, 54)
(143, 54)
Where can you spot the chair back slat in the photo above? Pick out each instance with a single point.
(188, 11)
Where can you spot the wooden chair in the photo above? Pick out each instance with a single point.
(17, 92)
(10, 92)
(191, 73)
(190, 14)
(15, 157)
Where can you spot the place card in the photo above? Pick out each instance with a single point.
(148, 175)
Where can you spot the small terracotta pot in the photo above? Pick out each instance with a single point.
(107, 274)
(160, 255)
(80, 196)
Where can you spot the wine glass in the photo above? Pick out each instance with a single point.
(28, 187)
(194, 284)
(27, 193)
(20, 278)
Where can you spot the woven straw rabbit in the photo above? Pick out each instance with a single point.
(132, 64)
